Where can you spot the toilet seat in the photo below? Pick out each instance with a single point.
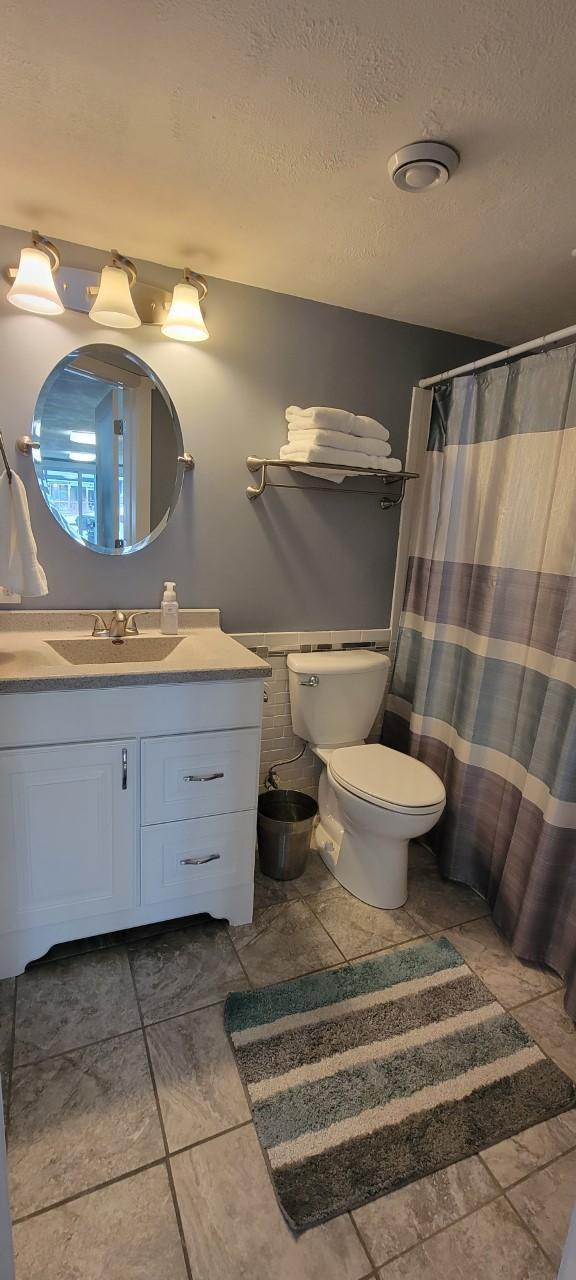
(387, 778)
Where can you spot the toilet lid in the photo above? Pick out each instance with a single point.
(387, 777)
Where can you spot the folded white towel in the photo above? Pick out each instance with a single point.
(338, 440)
(320, 417)
(315, 453)
(20, 572)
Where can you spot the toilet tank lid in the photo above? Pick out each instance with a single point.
(337, 662)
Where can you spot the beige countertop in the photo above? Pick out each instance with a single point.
(29, 664)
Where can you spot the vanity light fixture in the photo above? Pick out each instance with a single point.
(33, 288)
(114, 306)
(113, 297)
(185, 321)
(82, 457)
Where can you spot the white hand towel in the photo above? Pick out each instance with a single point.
(338, 440)
(20, 572)
(315, 453)
(325, 419)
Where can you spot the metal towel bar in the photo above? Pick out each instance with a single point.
(387, 477)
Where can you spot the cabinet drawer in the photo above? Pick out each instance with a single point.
(192, 775)
(180, 859)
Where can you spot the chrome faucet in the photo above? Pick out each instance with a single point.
(120, 625)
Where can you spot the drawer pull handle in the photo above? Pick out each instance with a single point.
(199, 862)
(202, 777)
(124, 768)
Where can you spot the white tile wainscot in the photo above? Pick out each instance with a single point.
(78, 768)
(278, 739)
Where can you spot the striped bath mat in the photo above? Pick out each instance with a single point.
(363, 1078)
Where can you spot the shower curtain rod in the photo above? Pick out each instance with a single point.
(536, 344)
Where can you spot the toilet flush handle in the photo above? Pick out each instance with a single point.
(311, 681)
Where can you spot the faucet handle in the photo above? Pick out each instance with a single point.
(100, 628)
(131, 628)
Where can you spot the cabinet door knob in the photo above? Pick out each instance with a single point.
(202, 777)
(124, 768)
(199, 862)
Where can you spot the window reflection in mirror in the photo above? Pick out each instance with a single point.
(109, 441)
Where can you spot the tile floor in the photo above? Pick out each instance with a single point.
(131, 1151)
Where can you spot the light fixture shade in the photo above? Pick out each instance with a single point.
(114, 306)
(34, 289)
(185, 321)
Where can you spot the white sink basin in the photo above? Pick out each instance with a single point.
(94, 651)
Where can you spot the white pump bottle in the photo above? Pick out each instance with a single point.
(169, 610)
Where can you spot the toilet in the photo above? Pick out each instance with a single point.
(372, 800)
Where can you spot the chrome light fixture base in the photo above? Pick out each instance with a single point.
(199, 282)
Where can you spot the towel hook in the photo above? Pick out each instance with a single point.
(5, 459)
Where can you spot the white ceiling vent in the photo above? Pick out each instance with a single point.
(422, 165)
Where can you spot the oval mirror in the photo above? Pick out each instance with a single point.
(107, 448)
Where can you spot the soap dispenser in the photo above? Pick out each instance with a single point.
(169, 610)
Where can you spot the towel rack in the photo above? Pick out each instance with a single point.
(5, 459)
(387, 477)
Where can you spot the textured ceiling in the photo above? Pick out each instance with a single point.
(249, 138)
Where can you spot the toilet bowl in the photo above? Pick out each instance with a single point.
(372, 800)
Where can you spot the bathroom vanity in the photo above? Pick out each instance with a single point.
(128, 778)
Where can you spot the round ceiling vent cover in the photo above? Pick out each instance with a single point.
(422, 165)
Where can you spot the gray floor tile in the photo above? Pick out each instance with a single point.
(491, 1244)
(234, 1227)
(315, 878)
(393, 1223)
(545, 1201)
(267, 891)
(78, 1120)
(124, 1232)
(73, 1002)
(283, 942)
(516, 1157)
(7, 993)
(551, 1028)
(436, 903)
(357, 928)
(183, 971)
(198, 1085)
(511, 980)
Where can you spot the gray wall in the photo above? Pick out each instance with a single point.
(291, 560)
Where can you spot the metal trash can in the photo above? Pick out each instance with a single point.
(285, 821)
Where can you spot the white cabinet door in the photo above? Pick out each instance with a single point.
(68, 832)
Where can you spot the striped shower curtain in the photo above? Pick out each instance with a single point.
(484, 681)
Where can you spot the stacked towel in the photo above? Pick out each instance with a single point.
(370, 445)
(320, 418)
(324, 435)
(20, 572)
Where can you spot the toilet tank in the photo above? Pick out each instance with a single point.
(335, 697)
